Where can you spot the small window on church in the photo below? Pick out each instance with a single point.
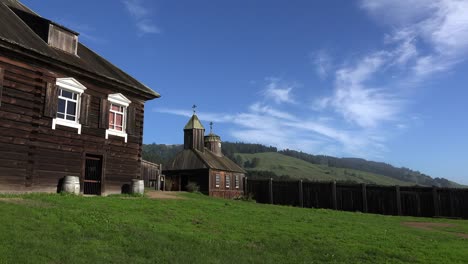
(236, 181)
(228, 181)
(218, 180)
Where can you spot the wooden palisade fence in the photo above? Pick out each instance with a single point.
(151, 174)
(387, 200)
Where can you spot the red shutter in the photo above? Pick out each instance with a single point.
(131, 123)
(51, 100)
(1, 85)
(84, 110)
(104, 116)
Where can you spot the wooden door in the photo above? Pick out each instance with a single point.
(93, 175)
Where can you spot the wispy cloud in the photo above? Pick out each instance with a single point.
(425, 38)
(370, 92)
(141, 14)
(441, 27)
(279, 91)
(322, 62)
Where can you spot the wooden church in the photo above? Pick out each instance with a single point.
(64, 110)
(203, 163)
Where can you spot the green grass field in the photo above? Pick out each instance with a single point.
(41, 228)
(284, 165)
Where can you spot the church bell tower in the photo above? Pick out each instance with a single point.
(194, 133)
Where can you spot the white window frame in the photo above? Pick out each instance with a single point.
(70, 85)
(118, 100)
(237, 181)
(227, 182)
(217, 180)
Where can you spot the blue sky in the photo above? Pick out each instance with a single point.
(382, 80)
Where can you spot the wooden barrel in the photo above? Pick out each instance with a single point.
(138, 186)
(71, 184)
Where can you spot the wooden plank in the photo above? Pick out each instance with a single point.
(270, 187)
(398, 200)
(85, 109)
(131, 125)
(333, 196)
(1, 85)
(104, 114)
(301, 194)
(436, 199)
(364, 198)
(51, 101)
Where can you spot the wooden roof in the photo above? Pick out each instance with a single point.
(18, 36)
(194, 123)
(191, 159)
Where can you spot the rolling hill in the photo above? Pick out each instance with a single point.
(294, 168)
(267, 162)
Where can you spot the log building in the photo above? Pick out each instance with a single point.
(64, 110)
(202, 162)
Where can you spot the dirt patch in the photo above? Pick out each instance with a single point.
(462, 235)
(22, 201)
(426, 226)
(164, 195)
(433, 227)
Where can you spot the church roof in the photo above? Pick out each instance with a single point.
(191, 159)
(194, 123)
(18, 36)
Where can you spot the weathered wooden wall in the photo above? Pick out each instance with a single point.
(33, 157)
(387, 200)
(222, 191)
(150, 173)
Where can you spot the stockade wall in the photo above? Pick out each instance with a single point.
(386, 200)
(150, 173)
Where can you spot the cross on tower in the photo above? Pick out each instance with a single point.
(194, 107)
(211, 127)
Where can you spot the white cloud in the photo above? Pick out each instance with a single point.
(356, 100)
(136, 8)
(426, 38)
(267, 125)
(146, 26)
(141, 14)
(442, 25)
(279, 91)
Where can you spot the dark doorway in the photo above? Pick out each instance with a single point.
(93, 175)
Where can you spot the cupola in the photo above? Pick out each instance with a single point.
(213, 142)
(194, 133)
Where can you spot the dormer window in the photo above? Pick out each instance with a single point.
(117, 116)
(63, 39)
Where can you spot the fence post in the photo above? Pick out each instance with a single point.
(364, 198)
(398, 200)
(245, 186)
(301, 194)
(334, 202)
(271, 190)
(435, 197)
(452, 203)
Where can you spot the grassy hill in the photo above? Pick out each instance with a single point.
(298, 169)
(198, 229)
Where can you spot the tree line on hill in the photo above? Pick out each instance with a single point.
(163, 154)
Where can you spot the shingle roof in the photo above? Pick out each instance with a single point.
(194, 123)
(16, 35)
(190, 159)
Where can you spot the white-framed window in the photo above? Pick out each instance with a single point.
(217, 180)
(118, 116)
(228, 181)
(69, 100)
(236, 181)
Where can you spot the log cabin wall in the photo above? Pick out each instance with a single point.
(34, 157)
(222, 190)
